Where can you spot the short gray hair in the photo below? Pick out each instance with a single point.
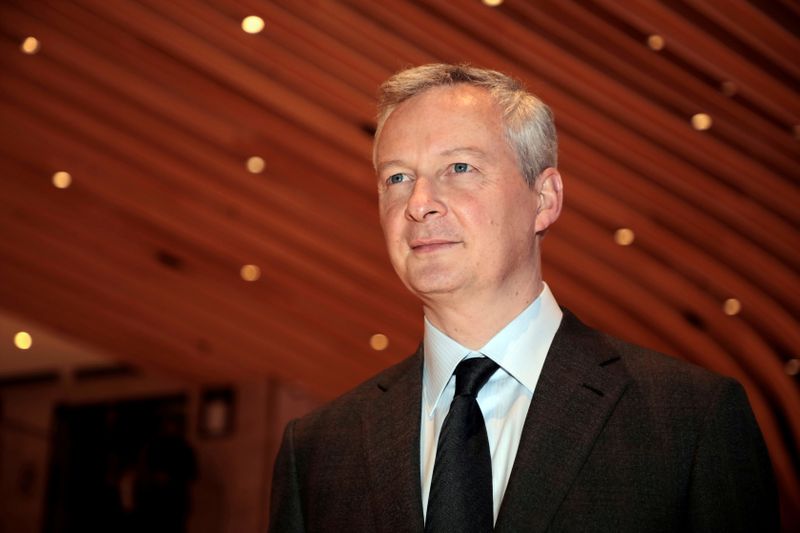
(529, 127)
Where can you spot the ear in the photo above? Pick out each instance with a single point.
(551, 196)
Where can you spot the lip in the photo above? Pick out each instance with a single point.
(430, 245)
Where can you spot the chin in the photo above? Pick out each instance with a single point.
(427, 287)
(430, 278)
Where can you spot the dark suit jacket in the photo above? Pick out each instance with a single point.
(617, 438)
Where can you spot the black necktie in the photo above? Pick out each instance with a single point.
(461, 488)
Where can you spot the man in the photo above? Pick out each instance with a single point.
(575, 431)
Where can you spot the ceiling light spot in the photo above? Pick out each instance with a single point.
(655, 42)
(379, 342)
(792, 367)
(701, 122)
(732, 306)
(729, 88)
(492, 3)
(62, 179)
(624, 236)
(797, 131)
(250, 272)
(252, 24)
(30, 45)
(255, 164)
(23, 340)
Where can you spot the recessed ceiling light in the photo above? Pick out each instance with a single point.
(624, 236)
(379, 342)
(732, 306)
(30, 45)
(62, 179)
(255, 164)
(252, 24)
(23, 340)
(655, 42)
(250, 272)
(701, 122)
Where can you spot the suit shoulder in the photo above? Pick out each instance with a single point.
(643, 365)
(669, 376)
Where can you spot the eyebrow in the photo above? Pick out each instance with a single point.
(449, 152)
(464, 150)
(383, 164)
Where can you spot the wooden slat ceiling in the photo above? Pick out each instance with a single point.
(154, 107)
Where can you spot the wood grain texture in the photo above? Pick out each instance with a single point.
(154, 108)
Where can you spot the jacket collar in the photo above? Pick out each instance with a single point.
(582, 380)
(391, 426)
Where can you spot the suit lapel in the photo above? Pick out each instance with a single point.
(391, 427)
(580, 384)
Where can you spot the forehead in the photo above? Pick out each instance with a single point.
(443, 115)
(474, 101)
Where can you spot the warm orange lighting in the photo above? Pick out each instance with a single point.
(23, 340)
(655, 42)
(255, 164)
(379, 342)
(701, 122)
(732, 306)
(792, 367)
(62, 179)
(250, 272)
(252, 24)
(624, 236)
(30, 45)
(492, 3)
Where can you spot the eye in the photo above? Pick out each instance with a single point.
(396, 178)
(460, 168)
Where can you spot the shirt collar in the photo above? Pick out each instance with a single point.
(519, 348)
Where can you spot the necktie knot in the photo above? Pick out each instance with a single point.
(472, 374)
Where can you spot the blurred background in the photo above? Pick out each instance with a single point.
(189, 245)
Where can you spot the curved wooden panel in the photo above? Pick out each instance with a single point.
(154, 108)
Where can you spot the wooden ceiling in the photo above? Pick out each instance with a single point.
(154, 108)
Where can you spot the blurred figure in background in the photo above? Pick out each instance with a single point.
(161, 482)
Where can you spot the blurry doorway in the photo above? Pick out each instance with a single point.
(120, 466)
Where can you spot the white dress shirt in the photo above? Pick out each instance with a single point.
(520, 349)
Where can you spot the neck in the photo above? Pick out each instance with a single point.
(473, 321)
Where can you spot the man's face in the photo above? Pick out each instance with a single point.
(457, 215)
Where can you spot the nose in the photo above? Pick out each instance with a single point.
(425, 201)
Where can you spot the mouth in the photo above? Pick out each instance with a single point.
(430, 245)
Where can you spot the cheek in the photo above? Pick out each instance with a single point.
(392, 224)
(499, 224)
(484, 216)
(389, 202)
